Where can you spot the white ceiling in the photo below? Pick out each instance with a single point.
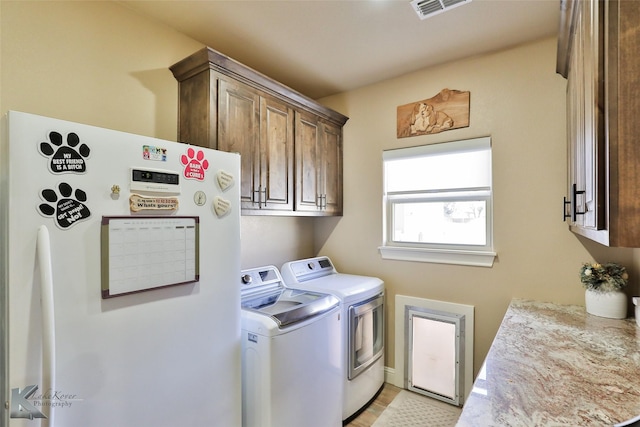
(323, 47)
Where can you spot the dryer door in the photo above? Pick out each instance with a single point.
(366, 334)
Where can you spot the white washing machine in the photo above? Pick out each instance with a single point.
(291, 354)
(362, 307)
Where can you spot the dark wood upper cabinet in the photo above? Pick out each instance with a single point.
(291, 146)
(598, 49)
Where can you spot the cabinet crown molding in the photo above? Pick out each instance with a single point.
(210, 59)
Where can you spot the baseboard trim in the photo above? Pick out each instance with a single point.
(391, 377)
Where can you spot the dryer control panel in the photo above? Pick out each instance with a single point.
(308, 269)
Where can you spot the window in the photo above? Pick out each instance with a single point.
(438, 203)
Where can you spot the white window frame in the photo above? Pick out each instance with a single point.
(474, 255)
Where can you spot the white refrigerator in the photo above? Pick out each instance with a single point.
(119, 264)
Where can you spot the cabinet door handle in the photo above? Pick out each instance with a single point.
(566, 215)
(260, 191)
(321, 201)
(574, 197)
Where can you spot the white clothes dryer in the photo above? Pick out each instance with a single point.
(291, 354)
(362, 307)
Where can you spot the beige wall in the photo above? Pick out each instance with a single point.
(518, 100)
(91, 62)
(101, 64)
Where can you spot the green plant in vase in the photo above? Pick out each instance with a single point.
(603, 277)
(603, 285)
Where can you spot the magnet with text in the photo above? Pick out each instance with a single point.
(225, 180)
(64, 204)
(221, 207)
(195, 165)
(139, 203)
(66, 155)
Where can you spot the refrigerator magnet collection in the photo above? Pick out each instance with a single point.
(64, 204)
(101, 226)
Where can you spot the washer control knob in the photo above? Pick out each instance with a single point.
(246, 279)
(311, 266)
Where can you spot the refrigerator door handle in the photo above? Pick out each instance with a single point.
(43, 248)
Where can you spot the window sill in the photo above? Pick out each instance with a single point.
(438, 256)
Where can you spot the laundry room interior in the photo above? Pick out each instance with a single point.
(116, 65)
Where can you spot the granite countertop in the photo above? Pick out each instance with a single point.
(556, 365)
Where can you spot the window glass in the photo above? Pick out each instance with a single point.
(440, 222)
(438, 198)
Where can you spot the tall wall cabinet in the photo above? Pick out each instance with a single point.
(598, 49)
(291, 146)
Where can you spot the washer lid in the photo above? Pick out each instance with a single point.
(290, 306)
(264, 292)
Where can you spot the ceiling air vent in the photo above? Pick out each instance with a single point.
(428, 8)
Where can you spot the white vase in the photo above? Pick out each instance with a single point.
(606, 304)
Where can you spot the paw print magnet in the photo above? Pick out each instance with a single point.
(65, 156)
(195, 165)
(64, 204)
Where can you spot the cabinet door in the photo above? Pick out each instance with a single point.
(330, 169)
(276, 152)
(576, 125)
(594, 159)
(238, 132)
(585, 103)
(306, 151)
(198, 94)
